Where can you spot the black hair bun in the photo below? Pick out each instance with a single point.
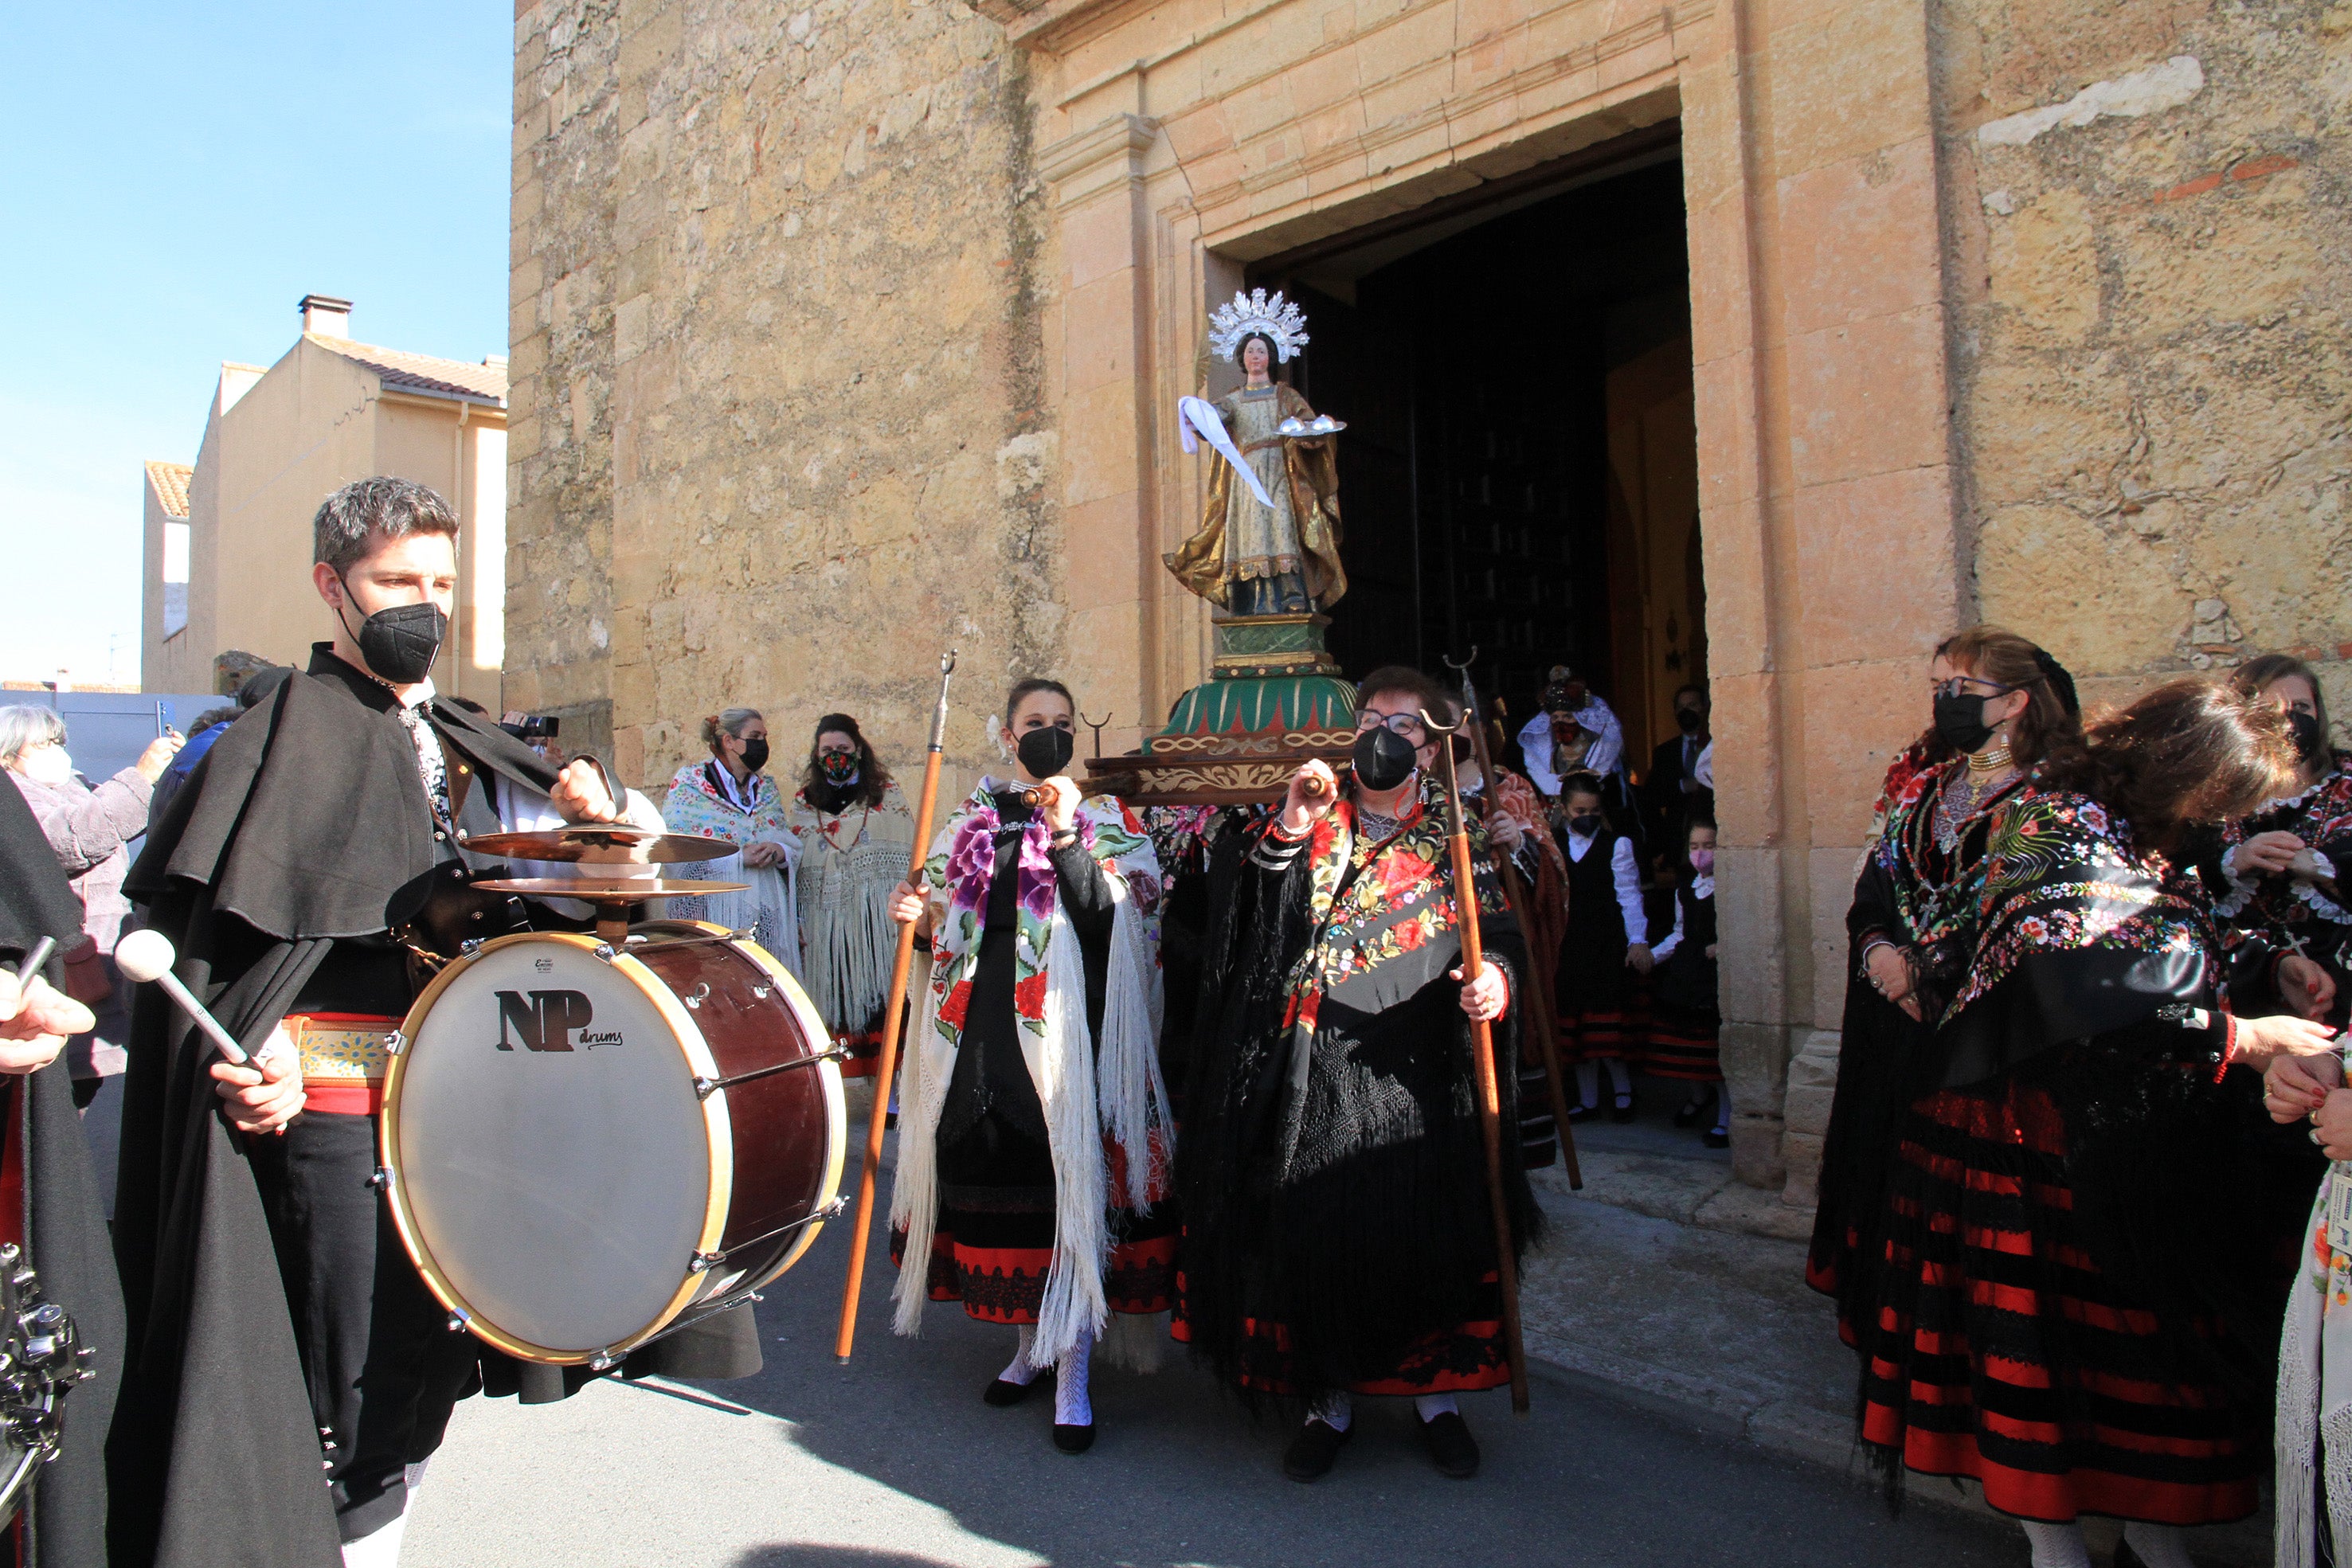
(2060, 682)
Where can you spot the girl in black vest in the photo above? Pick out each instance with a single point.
(1606, 934)
(1684, 1020)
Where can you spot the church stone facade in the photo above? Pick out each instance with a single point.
(847, 332)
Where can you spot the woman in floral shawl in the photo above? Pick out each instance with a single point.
(2087, 1224)
(1337, 1235)
(2001, 707)
(1034, 1134)
(729, 798)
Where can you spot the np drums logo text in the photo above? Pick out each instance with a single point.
(546, 1021)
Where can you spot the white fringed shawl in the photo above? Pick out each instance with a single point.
(2314, 1437)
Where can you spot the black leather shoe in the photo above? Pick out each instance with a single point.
(1582, 1113)
(1450, 1447)
(1714, 1140)
(1688, 1116)
(1624, 1112)
(1311, 1453)
(1074, 1439)
(1003, 1391)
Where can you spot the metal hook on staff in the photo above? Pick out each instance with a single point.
(1098, 726)
(1482, 1051)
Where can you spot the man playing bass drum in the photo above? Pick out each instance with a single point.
(312, 875)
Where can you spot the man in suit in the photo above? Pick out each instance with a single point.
(1674, 790)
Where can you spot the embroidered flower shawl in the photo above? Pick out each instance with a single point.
(2287, 912)
(1398, 901)
(2060, 874)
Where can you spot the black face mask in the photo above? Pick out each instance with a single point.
(755, 755)
(1584, 824)
(1960, 721)
(1046, 751)
(2308, 738)
(1384, 759)
(399, 643)
(1688, 720)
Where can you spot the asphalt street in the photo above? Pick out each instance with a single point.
(893, 1460)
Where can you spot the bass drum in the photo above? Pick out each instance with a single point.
(588, 1146)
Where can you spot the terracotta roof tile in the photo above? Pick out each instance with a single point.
(423, 372)
(171, 482)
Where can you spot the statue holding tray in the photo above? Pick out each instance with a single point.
(1269, 538)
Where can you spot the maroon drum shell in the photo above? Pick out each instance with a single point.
(780, 1120)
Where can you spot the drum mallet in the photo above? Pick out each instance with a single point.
(148, 955)
(34, 960)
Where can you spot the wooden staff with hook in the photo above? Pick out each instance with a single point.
(1541, 1017)
(893, 1016)
(1482, 1050)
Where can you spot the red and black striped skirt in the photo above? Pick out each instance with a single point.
(994, 1242)
(2001, 1352)
(1684, 1043)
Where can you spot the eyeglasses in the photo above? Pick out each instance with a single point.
(1403, 724)
(1952, 688)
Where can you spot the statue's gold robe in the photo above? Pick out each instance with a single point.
(1241, 539)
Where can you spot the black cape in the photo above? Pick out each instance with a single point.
(64, 1223)
(307, 821)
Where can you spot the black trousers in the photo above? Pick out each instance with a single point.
(383, 1366)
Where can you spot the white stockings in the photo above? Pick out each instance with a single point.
(1071, 1407)
(1588, 1080)
(1021, 1369)
(2057, 1546)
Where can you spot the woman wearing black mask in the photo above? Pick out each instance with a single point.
(2000, 707)
(854, 831)
(731, 798)
(1032, 1057)
(2286, 924)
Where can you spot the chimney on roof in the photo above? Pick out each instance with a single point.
(326, 315)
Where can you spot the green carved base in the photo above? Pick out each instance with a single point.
(1273, 689)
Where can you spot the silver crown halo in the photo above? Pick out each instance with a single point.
(1277, 318)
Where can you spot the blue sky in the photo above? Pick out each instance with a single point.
(175, 178)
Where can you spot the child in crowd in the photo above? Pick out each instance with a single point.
(1606, 934)
(1683, 1019)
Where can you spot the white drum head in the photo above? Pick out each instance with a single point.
(552, 1158)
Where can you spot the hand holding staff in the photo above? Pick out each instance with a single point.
(893, 1014)
(1482, 1050)
(1539, 1010)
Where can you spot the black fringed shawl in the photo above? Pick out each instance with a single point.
(1332, 1169)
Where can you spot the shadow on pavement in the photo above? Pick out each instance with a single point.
(1178, 1475)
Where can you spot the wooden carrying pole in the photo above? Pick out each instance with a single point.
(894, 1013)
(1482, 1050)
(1539, 995)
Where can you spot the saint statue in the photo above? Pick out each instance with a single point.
(1269, 538)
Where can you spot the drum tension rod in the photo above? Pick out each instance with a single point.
(705, 1087)
(637, 939)
(703, 1263)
